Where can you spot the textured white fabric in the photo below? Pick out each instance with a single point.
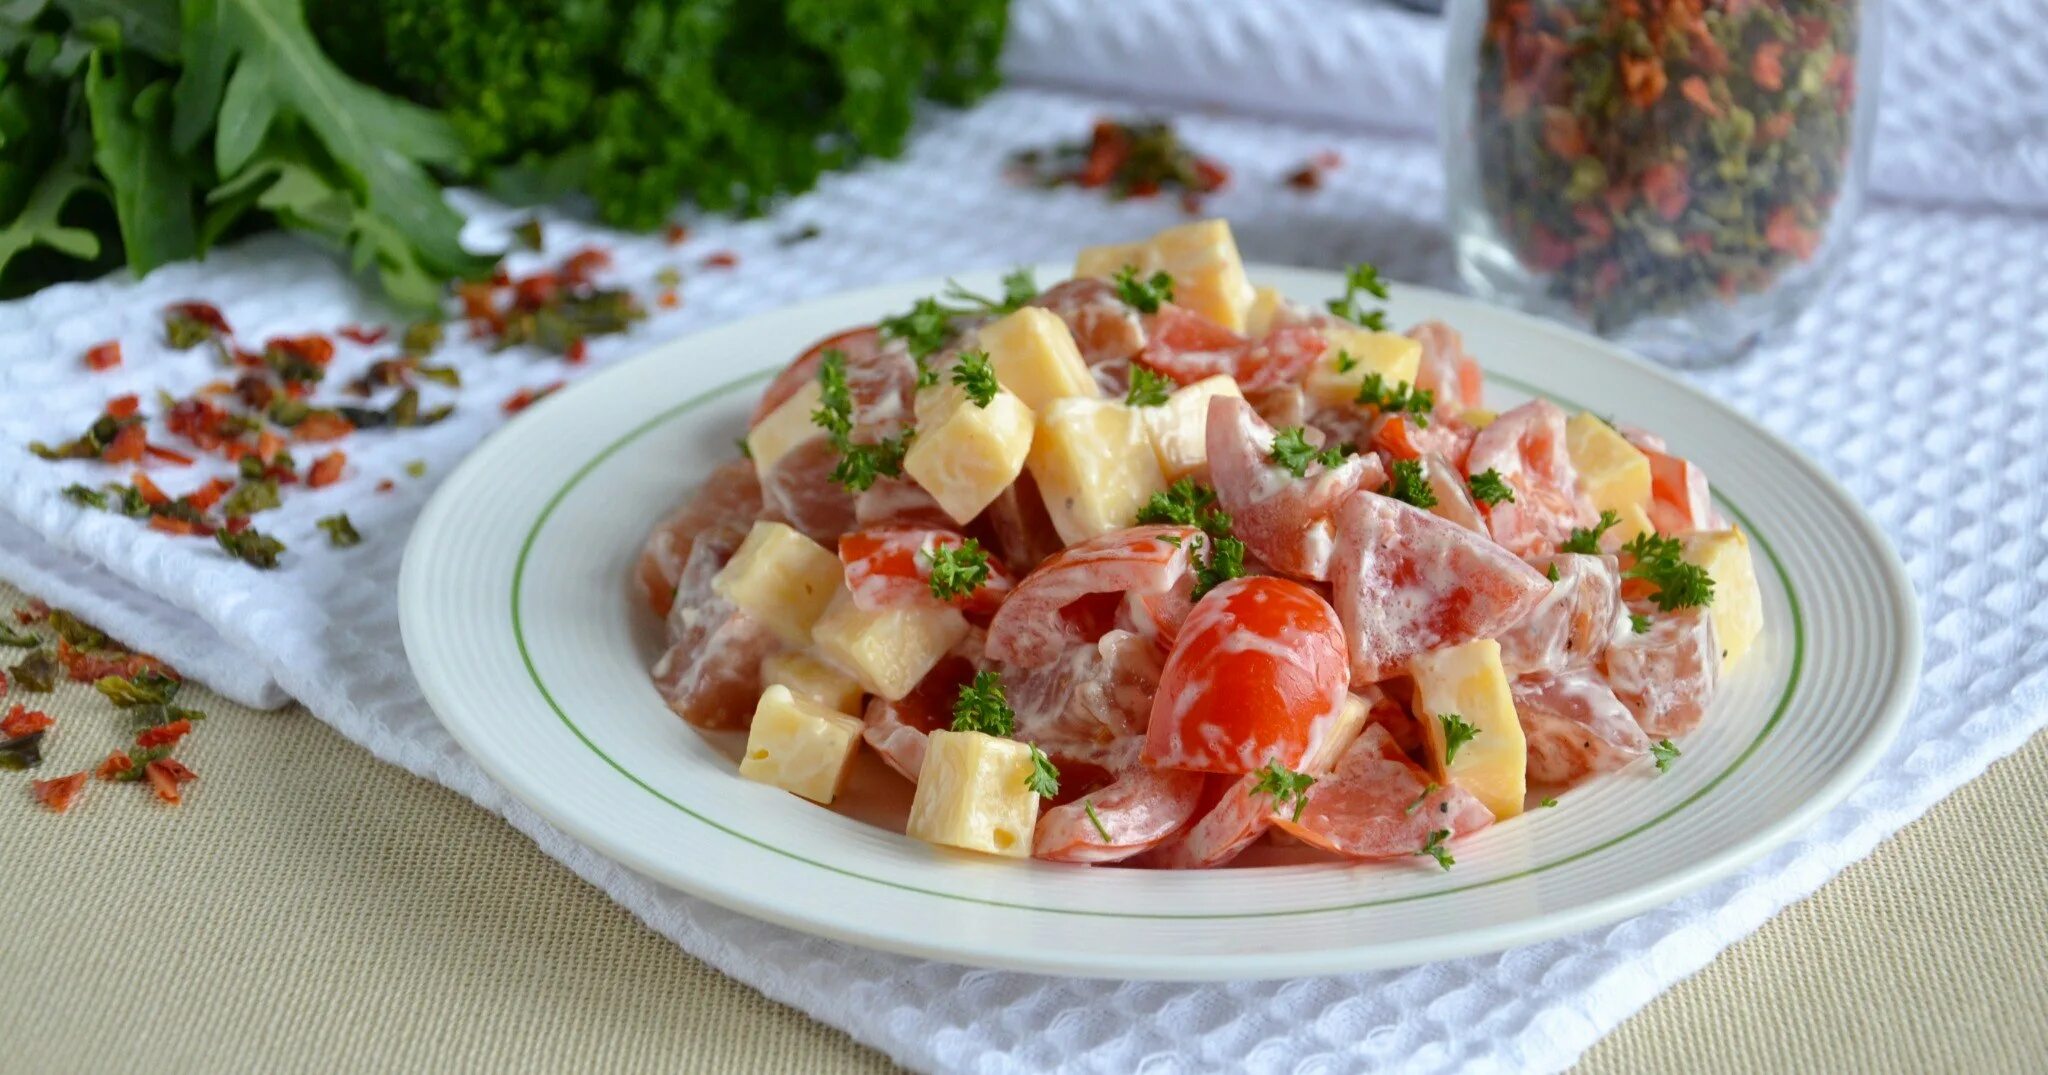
(1918, 380)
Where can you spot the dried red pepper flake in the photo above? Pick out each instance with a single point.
(1784, 233)
(21, 720)
(204, 313)
(101, 357)
(1311, 173)
(164, 781)
(1767, 66)
(386, 485)
(527, 397)
(124, 406)
(323, 426)
(3, 684)
(176, 527)
(577, 352)
(580, 267)
(479, 300)
(236, 524)
(675, 234)
(721, 259)
(84, 667)
(363, 334)
(117, 764)
(206, 496)
(268, 444)
(36, 611)
(60, 793)
(163, 735)
(1695, 90)
(167, 455)
(127, 445)
(326, 470)
(151, 494)
(309, 347)
(1130, 160)
(1665, 188)
(535, 291)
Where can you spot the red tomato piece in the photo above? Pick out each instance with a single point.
(1258, 675)
(1137, 812)
(1029, 631)
(148, 490)
(1575, 727)
(326, 470)
(1188, 347)
(1231, 818)
(1572, 624)
(1679, 497)
(1527, 447)
(1454, 501)
(711, 673)
(1405, 582)
(1286, 521)
(163, 734)
(163, 779)
(1446, 369)
(60, 793)
(1666, 676)
(1363, 808)
(127, 445)
(167, 524)
(1103, 327)
(728, 501)
(323, 426)
(799, 488)
(889, 567)
(858, 344)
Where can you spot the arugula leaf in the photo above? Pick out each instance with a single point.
(340, 532)
(152, 186)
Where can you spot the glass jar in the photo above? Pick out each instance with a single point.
(1677, 175)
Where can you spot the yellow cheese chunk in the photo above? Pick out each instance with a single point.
(888, 651)
(1467, 681)
(1035, 356)
(798, 745)
(965, 454)
(812, 680)
(974, 793)
(1267, 302)
(1095, 466)
(785, 428)
(1613, 473)
(781, 578)
(1179, 428)
(1738, 605)
(1394, 357)
(1478, 417)
(1350, 721)
(1208, 275)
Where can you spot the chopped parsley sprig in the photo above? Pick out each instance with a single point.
(1457, 732)
(1292, 451)
(1146, 295)
(1665, 752)
(1398, 398)
(1044, 780)
(930, 324)
(1362, 278)
(977, 376)
(1284, 785)
(1489, 488)
(1148, 389)
(957, 571)
(1586, 540)
(1406, 483)
(860, 465)
(981, 707)
(1186, 502)
(1224, 562)
(1660, 561)
(1438, 850)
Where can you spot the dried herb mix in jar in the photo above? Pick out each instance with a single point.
(1648, 156)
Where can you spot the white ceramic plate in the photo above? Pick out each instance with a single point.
(532, 647)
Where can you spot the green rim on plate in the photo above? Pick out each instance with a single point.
(519, 632)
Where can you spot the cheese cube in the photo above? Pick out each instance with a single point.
(786, 427)
(1467, 681)
(1035, 356)
(1267, 302)
(1179, 428)
(1394, 357)
(888, 651)
(974, 793)
(965, 454)
(812, 680)
(1094, 465)
(798, 745)
(1349, 722)
(1613, 472)
(1738, 605)
(781, 578)
(1208, 275)
(1478, 417)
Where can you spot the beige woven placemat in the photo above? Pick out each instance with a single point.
(309, 908)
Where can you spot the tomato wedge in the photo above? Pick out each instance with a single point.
(728, 502)
(1031, 630)
(1286, 520)
(859, 345)
(890, 567)
(1378, 804)
(1257, 675)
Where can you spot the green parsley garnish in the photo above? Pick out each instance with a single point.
(860, 465)
(957, 571)
(835, 404)
(1044, 780)
(1550, 571)
(975, 374)
(340, 532)
(1225, 562)
(418, 467)
(1283, 785)
(1547, 803)
(1088, 808)
(1186, 503)
(1639, 623)
(1665, 751)
(1148, 389)
(1292, 451)
(1019, 288)
(981, 707)
(1407, 484)
(929, 324)
(1489, 488)
(1660, 561)
(1345, 363)
(1428, 790)
(1144, 296)
(85, 496)
(1435, 849)
(1456, 734)
(1363, 277)
(1586, 540)
(252, 547)
(924, 328)
(1401, 398)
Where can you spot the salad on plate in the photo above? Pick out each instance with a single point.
(1155, 565)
